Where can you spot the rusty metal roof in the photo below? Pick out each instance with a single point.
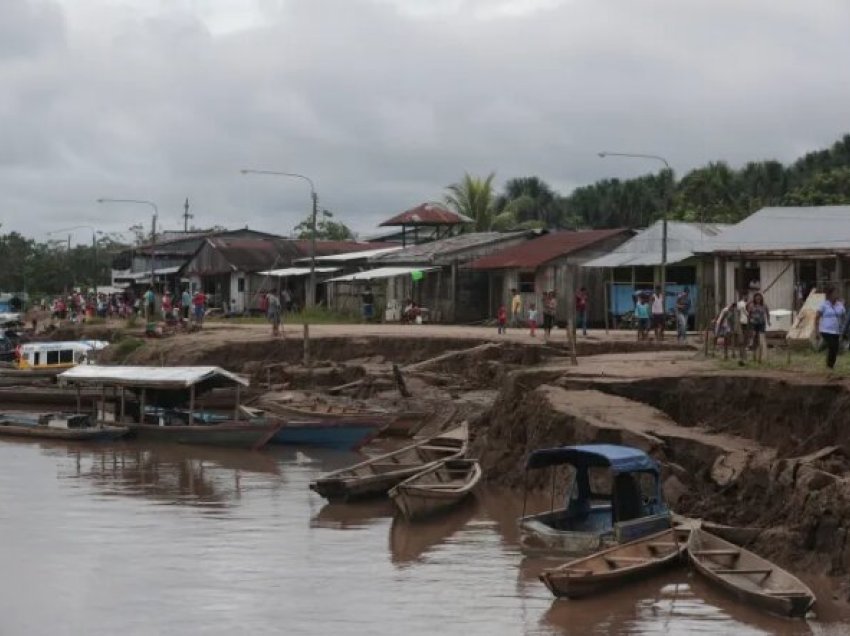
(428, 214)
(534, 253)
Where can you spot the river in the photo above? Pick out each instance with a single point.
(130, 539)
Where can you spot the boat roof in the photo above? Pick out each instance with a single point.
(67, 344)
(621, 459)
(150, 377)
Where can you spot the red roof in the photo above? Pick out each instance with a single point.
(532, 254)
(428, 214)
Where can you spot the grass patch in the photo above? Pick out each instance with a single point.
(122, 349)
(803, 361)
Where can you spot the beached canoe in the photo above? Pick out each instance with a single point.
(436, 488)
(233, 434)
(346, 435)
(615, 566)
(376, 476)
(752, 579)
(60, 426)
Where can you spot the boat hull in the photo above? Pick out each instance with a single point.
(418, 500)
(747, 576)
(104, 433)
(230, 435)
(616, 566)
(341, 435)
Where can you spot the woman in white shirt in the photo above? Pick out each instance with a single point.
(829, 322)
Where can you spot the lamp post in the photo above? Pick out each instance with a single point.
(94, 232)
(638, 155)
(311, 294)
(153, 225)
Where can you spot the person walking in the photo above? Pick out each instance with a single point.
(642, 315)
(683, 312)
(199, 302)
(150, 304)
(581, 310)
(828, 323)
(550, 306)
(273, 312)
(368, 300)
(742, 327)
(724, 327)
(502, 320)
(658, 314)
(516, 308)
(759, 322)
(532, 320)
(185, 304)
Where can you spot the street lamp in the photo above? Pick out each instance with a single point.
(153, 225)
(638, 155)
(94, 232)
(311, 294)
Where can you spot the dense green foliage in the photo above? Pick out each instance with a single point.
(473, 197)
(715, 192)
(326, 230)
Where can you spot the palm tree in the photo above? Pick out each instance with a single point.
(473, 197)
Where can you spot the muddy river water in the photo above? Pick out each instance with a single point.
(130, 539)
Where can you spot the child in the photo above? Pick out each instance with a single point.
(502, 319)
(532, 319)
(642, 315)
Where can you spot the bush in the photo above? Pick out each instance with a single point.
(125, 346)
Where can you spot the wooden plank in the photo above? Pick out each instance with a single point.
(663, 544)
(716, 552)
(744, 571)
(626, 559)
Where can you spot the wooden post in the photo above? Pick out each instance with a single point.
(606, 291)
(571, 340)
(123, 405)
(719, 300)
(306, 345)
(102, 402)
(79, 399)
(400, 383)
(191, 404)
(142, 406)
(236, 406)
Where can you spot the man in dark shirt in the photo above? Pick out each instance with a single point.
(368, 304)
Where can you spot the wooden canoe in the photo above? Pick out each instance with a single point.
(436, 488)
(91, 433)
(233, 434)
(376, 476)
(615, 566)
(751, 578)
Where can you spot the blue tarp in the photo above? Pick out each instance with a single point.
(621, 459)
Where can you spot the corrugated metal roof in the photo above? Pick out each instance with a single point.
(161, 377)
(814, 228)
(380, 272)
(297, 271)
(252, 255)
(532, 254)
(353, 256)
(644, 249)
(434, 250)
(428, 214)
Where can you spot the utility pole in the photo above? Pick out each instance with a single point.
(186, 216)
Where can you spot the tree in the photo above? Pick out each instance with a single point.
(326, 230)
(530, 199)
(473, 197)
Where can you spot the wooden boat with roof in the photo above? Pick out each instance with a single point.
(614, 497)
(749, 577)
(618, 565)
(376, 476)
(59, 426)
(171, 388)
(436, 488)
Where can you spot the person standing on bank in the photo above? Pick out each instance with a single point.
(658, 314)
(742, 327)
(368, 299)
(550, 306)
(581, 310)
(759, 322)
(273, 312)
(516, 308)
(683, 311)
(828, 322)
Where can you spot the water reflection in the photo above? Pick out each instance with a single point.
(349, 516)
(409, 541)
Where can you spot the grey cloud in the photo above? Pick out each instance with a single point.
(386, 102)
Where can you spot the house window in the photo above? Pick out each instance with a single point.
(240, 284)
(525, 281)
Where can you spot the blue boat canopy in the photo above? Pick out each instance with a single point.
(621, 459)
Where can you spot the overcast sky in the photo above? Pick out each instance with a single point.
(385, 102)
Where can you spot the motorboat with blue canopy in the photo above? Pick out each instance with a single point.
(613, 496)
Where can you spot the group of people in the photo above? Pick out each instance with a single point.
(743, 325)
(650, 312)
(531, 317)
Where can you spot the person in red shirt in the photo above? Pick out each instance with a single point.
(502, 319)
(167, 307)
(581, 309)
(199, 302)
